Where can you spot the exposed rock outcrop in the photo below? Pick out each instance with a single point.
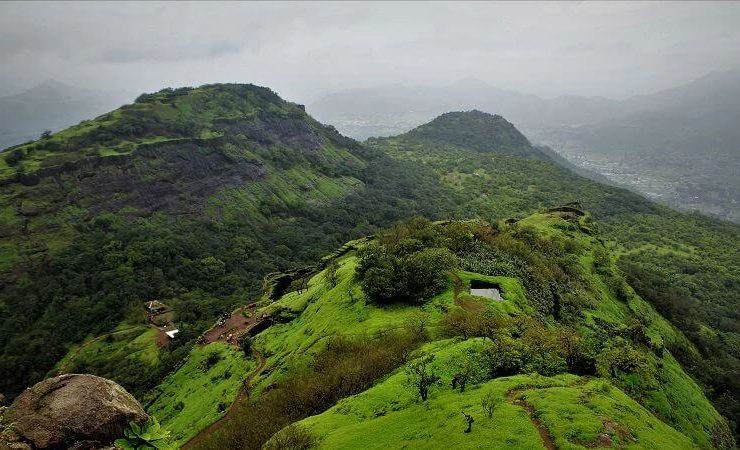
(69, 411)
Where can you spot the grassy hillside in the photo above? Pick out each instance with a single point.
(189, 196)
(592, 368)
(576, 412)
(200, 391)
(687, 265)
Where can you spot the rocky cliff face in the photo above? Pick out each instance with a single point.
(69, 411)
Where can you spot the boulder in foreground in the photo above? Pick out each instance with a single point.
(70, 411)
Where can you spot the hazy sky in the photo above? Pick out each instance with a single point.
(305, 49)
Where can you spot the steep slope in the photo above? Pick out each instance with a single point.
(189, 196)
(592, 370)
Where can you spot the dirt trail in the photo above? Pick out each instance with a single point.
(547, 439)
(242, 396)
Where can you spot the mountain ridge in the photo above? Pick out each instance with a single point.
(208, 189)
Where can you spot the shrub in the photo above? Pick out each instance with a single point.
(331, 272)
(245, 343)
(211, 360)
(469, 317)
(421, 375)
(489, 402)
(504, 356)
(148, 436)
(15, 156)
(623, 359)
(293, 437)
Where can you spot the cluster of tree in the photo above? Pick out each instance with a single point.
(521, 345)
(405, 272)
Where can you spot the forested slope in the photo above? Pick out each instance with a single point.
(189, 196)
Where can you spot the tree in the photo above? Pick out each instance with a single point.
(331, 272)
(489, 403)
(404, 272)
(46, 134)
(624, 359)
(504, 356)
(245, 343)
(422, 376)
(462, 376)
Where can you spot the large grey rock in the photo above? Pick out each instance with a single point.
(72, 411)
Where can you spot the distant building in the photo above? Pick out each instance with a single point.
(156, 307)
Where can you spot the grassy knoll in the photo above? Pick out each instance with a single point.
(578, 413)
(593, 370)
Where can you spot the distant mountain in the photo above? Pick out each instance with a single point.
(51, 106)
(680, 146)
(384, 111)
(477, 130)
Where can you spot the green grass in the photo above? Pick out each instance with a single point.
(342, 310)
(136, 343)
(575, 410)
(196, 395)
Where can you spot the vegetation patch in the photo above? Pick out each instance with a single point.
(200, 391)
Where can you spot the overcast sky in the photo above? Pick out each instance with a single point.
(305, 49)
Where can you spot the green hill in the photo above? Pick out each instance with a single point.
(687, 265)
(478, 131)
(593, 370)
(191, 196)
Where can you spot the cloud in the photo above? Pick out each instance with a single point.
(304, 49)
(178, 51)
